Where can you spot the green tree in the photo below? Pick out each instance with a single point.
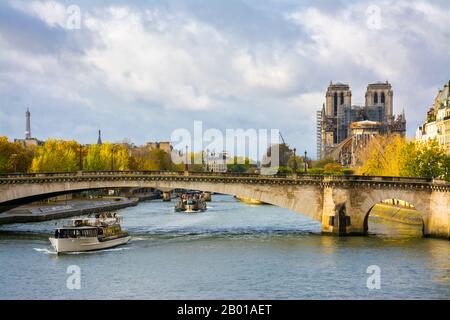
(446, 168)
(239, 164)
(284, 153)
(295, 163)
(424, 159)
(237, 168)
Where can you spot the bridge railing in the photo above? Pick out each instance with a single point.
(359, 178)
(301, 177)
(111, 173)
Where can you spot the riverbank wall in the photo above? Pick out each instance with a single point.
(40, 214)
(397, 214)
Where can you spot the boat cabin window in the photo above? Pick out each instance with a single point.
(75, 233)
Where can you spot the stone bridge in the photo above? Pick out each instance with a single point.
(341, 203)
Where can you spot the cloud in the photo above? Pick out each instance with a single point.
(53, 13)
(264, 71)
(142, 70)
(180, 62)
(155, 58)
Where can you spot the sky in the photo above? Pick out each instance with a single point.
(138, 70)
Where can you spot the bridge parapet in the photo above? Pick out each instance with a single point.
(341, 180)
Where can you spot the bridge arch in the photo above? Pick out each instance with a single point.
(376, 196)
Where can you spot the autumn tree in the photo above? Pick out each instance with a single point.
(14, 157)
(392, 155)
(144, 158)
(381, 156)
(56, 156)
(322, 162)
(333, 169)
(106, 157)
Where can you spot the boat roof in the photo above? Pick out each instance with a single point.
(77, 228)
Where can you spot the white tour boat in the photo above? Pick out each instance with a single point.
(92, 233)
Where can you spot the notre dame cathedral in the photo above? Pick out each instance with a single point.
(341, 126)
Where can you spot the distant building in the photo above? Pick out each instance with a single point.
(335, 120)
(216, 162)
(437, 125)
(165, 146)
(28, 140)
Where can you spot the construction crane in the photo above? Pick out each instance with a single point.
(282, 139)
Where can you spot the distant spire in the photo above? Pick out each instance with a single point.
(27, 124)
(99, 141)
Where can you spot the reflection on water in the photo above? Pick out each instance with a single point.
(393, 230)
(231, 251)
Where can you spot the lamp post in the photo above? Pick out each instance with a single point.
(306, 165)
(207, 164)
(186, 165)
(294, 166)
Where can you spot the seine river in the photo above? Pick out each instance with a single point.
(232, 251)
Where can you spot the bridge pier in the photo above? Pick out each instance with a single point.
(342, 215)
(437, 221)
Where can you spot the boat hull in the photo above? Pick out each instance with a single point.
(86, 244)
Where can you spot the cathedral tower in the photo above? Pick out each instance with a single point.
(379, 96)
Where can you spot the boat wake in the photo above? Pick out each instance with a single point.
(133, 239)
(97, 251)
(44, 250)
(47, 251)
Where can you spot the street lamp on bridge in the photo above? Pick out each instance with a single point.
(186, 165)
(294, 165)
(304, 160)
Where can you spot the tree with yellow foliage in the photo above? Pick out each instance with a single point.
(14, 157)
(381, 156)
(56, 156)
(106, 157)
(392, 155)
(144, 158)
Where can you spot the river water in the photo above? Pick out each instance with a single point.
(232, 251)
